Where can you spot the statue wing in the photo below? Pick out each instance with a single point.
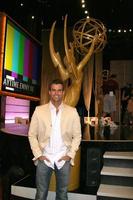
(55, 56)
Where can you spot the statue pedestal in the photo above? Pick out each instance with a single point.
(74, 176)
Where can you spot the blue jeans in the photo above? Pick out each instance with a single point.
(43, 176)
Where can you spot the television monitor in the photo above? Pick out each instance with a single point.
(21, 59)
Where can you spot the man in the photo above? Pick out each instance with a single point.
(54, 135)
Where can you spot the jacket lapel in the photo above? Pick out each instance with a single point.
(63, 116)
(47, 114)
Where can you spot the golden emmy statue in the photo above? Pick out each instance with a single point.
(89, 37)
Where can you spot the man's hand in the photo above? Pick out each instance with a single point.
(66, 158)
(43, 158)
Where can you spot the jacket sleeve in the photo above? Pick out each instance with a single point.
(33, 135)
(76, 135)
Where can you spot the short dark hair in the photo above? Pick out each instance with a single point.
(56, 81)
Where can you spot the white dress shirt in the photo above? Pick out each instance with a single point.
(56, 147)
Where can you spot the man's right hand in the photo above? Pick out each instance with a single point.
(43, 158)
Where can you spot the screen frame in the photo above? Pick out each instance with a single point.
(4, 19)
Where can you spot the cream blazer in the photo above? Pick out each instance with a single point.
(40, 130)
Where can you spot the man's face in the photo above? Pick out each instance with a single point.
(56, 93)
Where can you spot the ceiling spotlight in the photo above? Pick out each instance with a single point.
(83, 5)
(119, 31)
(86, 11)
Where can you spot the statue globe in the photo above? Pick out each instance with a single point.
(84, 31)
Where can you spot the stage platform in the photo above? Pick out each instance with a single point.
(24, 189)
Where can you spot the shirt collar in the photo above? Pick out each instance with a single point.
(52, 107)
